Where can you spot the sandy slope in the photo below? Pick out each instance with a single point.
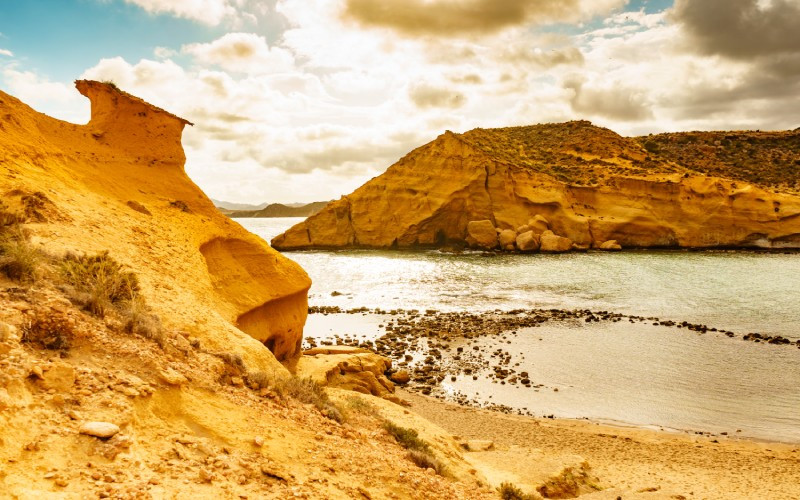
(627, 461)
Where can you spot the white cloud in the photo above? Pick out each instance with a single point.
(242, 53)
(7, 53)
(55, 98)
(211, 12)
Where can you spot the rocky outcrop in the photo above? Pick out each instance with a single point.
(585, 183)
(118, 184)
(348, 368)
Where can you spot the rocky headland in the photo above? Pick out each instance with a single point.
(151, 348)
(572, 186)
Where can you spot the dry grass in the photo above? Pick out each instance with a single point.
(427, 460)
(509, 491)
(19, 260)
(419, 451)
(140, 321)
(98, 281)
(49, 330)
(307, 391)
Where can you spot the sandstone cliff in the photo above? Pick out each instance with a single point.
(591, 185)
(117, 183)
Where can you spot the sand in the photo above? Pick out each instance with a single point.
(628, 462)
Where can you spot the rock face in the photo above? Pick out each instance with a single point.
(118, 184)
(586, 183)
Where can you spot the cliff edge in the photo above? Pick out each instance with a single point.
(590, 186)
(118, 183)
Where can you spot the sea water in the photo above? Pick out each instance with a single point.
(635, 374)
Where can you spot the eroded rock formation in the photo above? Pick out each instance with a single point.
(118, 184)
(591, 184)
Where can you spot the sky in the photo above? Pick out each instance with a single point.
(305, 100)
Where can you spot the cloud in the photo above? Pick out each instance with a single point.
(210, 12)
(522, 53)
(425, 95)
(740, 29)
(614, 100)
(42, 94)
(459, 17)
(8, 53)
(242, 53)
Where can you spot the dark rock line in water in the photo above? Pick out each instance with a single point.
(419, 345)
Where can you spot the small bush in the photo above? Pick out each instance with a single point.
(19, 260)
(233, 360)
(427, 460)
(509, 491)
(140, 321)
(359, 405)
(99, 281)
(407, 438)
(258, 380)
(50, 330)
(310, 392)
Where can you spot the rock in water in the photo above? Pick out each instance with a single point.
(102, 430)
(482, 234)
(605, 187)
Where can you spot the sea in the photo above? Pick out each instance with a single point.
(636, 374)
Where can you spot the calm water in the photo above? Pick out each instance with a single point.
(702, 382)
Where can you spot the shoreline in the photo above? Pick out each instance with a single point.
(441, 352)
(628, 461)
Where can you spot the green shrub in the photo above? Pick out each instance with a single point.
(99, 281)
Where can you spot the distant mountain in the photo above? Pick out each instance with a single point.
(279, 210)
(237, 206)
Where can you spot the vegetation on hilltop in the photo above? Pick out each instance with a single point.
(770, 159)
(575, 152)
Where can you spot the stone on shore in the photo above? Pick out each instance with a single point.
(538, 224)
(611, 245)
(551, 242)
(102, 430)
(482, 234)
(527, 242)
(507, 237)
(400, 377)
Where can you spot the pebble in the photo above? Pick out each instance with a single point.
(102, 430)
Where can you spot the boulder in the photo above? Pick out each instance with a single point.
(523, 229)
(538, 224)
(507, 237)
(611, 245)
(481, 234)
(527, 242)
(400, 377)
(362, 372)
(60, 377)
(553, 243)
